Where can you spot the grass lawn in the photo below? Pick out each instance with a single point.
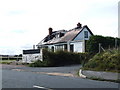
(6, 61)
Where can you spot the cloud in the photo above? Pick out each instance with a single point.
(19, 31)
(16, 12)
(24, 23)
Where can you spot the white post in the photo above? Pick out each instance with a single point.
(68, 46)
(41, 54)
(83, 46)
(26, 59)
(118, 23)
(83, 42)
(99, 47)
(116, 43)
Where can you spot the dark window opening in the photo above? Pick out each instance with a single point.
(52, 49)
(65, 47)
(71, 48)
(61, 34)
(85, 45)
(86, 34)
(59, 47)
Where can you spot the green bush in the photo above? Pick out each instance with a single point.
(105, 61)
(39, 63)
(92, 44)
(60, 58)
(5, 62)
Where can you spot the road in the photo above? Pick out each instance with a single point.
(27, 77)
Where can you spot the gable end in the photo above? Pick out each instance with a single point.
(82, 30)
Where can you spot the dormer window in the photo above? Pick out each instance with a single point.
(57, 35)
(61, 34)
(85, 34)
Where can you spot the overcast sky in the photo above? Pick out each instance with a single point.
(24, 23)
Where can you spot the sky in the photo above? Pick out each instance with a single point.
(24, 23)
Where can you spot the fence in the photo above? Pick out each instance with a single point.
(10, 58)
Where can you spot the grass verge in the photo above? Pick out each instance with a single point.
(6, 61)
(105, 61)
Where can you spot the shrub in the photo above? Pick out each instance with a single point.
(61, 58)
(92, 44)
(5, 62)
(105, 61)
(39, 63)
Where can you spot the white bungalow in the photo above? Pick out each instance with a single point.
(73, 40)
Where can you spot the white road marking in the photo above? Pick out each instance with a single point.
(38, 87)
(41, 87)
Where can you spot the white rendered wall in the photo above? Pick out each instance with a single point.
(50, 47)
(78, 46)
(29, 58)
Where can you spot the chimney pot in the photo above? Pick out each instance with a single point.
(50, 31)
(79, 25)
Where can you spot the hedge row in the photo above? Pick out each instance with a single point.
(61, 58)
(92, 44)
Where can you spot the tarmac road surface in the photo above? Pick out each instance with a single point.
(26, 77)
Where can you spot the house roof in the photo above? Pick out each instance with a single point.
(68, 36)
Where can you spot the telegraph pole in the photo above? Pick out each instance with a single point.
(99, 47)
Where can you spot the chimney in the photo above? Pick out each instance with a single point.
(33, 46)
(79, 25)
(50, 31)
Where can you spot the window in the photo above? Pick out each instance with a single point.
(61, 34)
(65, 47)
(85, 34)
(59, 47)
(71, 48)
(52, 49)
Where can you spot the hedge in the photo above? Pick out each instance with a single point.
(61, 58)
(92, 44)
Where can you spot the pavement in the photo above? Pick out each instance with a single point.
(100, 74)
